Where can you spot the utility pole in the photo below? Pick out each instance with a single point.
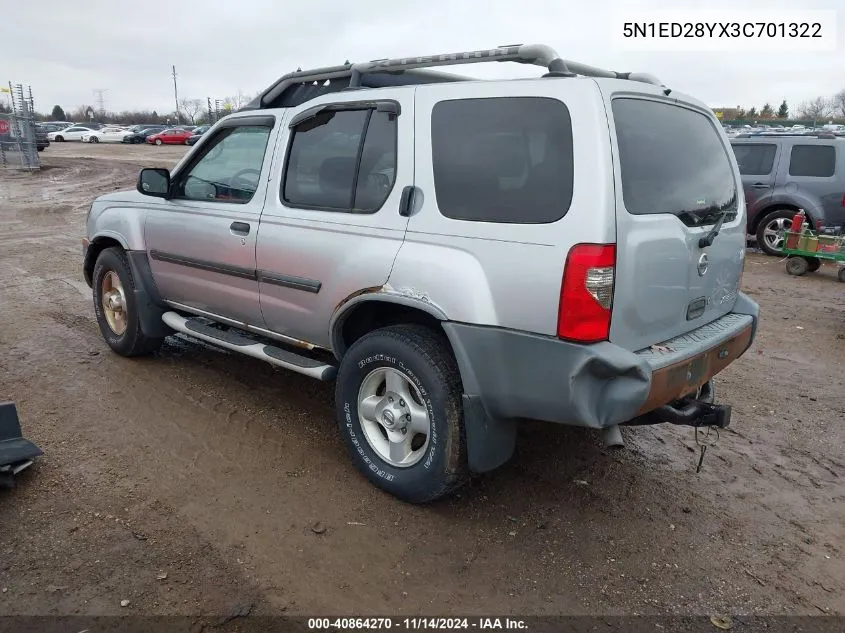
(175, 95)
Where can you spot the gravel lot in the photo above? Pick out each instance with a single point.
(199, 482)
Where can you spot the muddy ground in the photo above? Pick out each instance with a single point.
(229, 477)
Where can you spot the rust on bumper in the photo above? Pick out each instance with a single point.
(682, 378)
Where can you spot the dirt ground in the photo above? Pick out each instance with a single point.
(229, 476)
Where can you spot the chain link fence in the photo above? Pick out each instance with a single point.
(18, 138)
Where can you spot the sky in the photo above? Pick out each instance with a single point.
(65, 51)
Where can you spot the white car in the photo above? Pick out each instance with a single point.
(105, 135)
(72, 133)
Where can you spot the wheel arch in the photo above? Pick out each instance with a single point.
(95, 247)
(373, 310)
(778, 206)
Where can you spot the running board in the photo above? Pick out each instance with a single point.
(242, 344)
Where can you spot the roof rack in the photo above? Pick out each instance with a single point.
(293, 89)
(783, 134)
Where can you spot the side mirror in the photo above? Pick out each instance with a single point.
(154, 182)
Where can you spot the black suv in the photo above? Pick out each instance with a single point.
(140, 135)
(42, 142)
(783, 173)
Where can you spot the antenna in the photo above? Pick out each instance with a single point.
(101, 102)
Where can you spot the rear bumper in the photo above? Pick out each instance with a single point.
(515, 374)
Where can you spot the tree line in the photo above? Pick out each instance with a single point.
(832, 107)
(190, 112)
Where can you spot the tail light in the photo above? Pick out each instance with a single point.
(586, 295)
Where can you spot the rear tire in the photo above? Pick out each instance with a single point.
(127, 340)
(770, 231)
(419, 363)
(797, 266)
(841, 274)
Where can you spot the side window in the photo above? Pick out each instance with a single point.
(503, 159)
(343, 160)
(755, 160)
(812, 160)
(228, 169)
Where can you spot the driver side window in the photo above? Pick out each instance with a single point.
(229, 168)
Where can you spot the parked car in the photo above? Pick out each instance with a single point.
(197, 134)
(42, 140)
(455, 255)
(781, 174)
(51, 126)
(105, 135)
(173, 136)
(141, 135)
(73, 133)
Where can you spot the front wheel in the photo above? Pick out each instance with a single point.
(398, 399)
(94, 139)
(60, 138)
(158, 141)
(115, 305)
(813, 264)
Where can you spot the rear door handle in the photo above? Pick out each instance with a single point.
(239, 228)
(406, 202)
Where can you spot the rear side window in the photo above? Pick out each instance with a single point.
(672, 161)
(755, 160)
(342, 161)
(504, 159)
(812, 160)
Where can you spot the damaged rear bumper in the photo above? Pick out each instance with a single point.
(508, 374)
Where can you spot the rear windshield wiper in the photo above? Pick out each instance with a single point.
(707, 240)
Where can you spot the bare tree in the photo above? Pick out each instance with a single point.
(191, 108)
(236, 101)
(817, 108)
(839, 103)
(80, 115)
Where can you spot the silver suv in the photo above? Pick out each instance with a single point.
(456, 254)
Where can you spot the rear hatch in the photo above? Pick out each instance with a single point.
(675, 175)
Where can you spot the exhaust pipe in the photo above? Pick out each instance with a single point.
(612, 437)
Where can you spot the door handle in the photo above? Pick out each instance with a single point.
(406, 202)
(760, 185)
(239, 228)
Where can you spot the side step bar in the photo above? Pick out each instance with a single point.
(249, 347)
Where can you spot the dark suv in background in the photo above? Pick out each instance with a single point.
(781, 174)
(140, 135)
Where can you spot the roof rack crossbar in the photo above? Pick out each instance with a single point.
(537, 54)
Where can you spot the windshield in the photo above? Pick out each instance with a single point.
(672, 160)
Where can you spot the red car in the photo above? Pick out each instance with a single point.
(173, 136)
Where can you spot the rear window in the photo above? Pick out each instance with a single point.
(503, 159)
(812, 160)
(755, 160)
(672, 161)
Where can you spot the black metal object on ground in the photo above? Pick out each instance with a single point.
(16, 452)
